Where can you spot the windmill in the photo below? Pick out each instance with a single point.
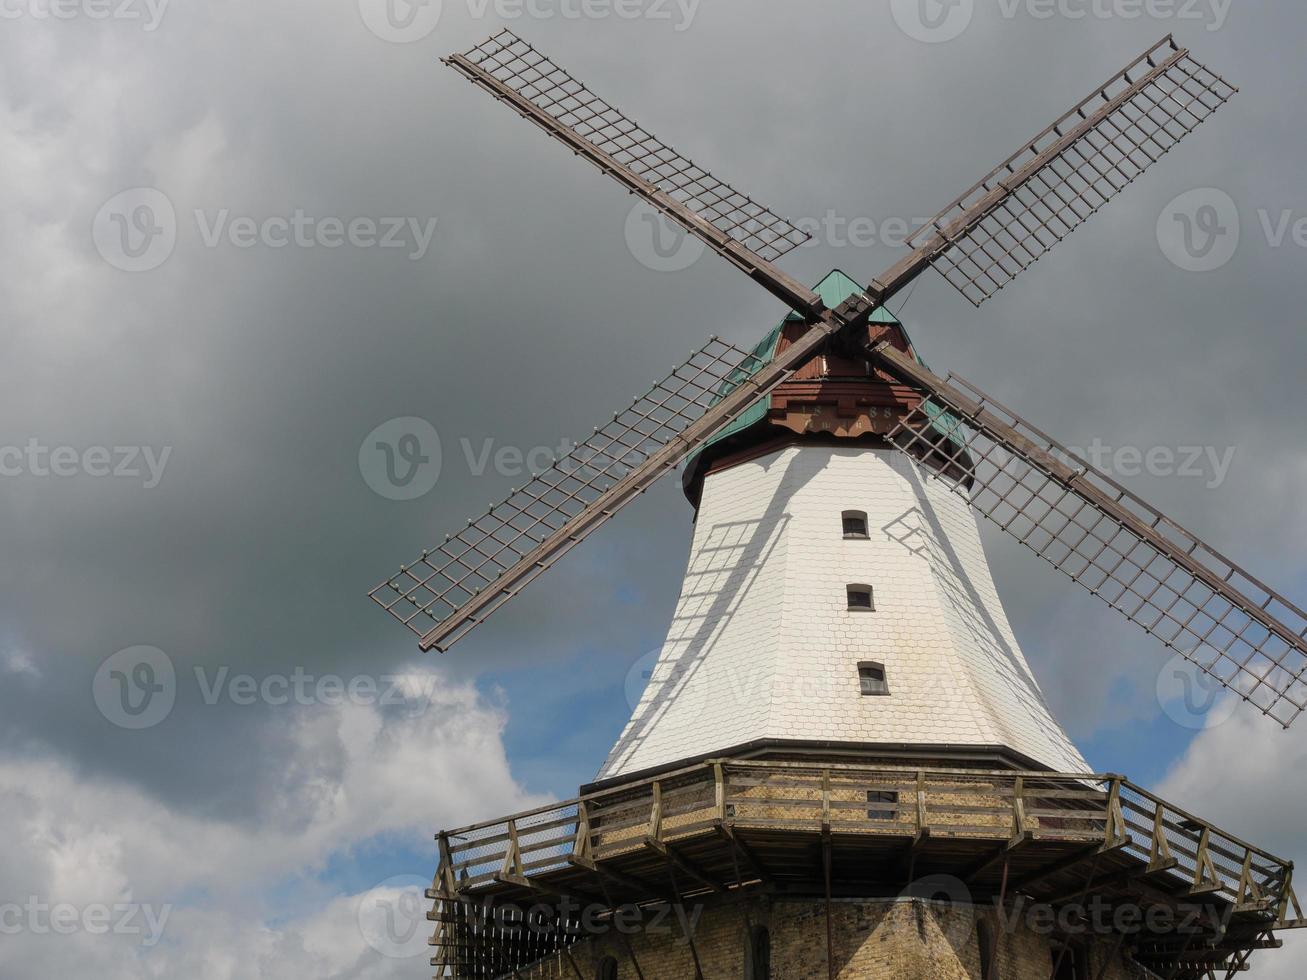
(835, 407)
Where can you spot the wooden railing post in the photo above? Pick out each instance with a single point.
(1114, 834)
(581, 847)
(719, 787)
(1018, 807)
(1159, 851)
(513, 855)
(656, 813)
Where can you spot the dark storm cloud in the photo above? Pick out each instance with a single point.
(528, 320)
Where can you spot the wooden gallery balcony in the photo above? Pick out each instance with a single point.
(722, 830)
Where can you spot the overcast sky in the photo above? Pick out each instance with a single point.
(239, 238)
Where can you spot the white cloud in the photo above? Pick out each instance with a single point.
(356, 775)
(1249, 777)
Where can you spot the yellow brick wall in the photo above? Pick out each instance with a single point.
(873, 940)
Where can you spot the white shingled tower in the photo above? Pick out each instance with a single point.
(836, 599)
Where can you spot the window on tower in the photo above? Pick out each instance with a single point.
(871, 680)
(607, 969)
(855, 525)
(882, 796)
(862, 598)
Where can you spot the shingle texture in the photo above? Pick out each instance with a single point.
(764, 646)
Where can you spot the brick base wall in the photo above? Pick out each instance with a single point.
(872, 940)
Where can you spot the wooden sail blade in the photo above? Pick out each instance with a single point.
(1146, 566)
(452, 588)
(1039, 195)
(746, 233)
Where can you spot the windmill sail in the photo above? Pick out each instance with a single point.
(1031, 201)
(452, 588)
(1140, 562)
(746, 233)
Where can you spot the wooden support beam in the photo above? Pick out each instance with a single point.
(745, 851)
(689, 937)
(634, 882)
(672, 855)
(826, 874)
(1040, 875)
(535, 885)
(907, 861)
(997, 857)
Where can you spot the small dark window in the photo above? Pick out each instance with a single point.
(607, 969)
(855, 524)
(871, 679)
(759, 965)
(881, 796)
(862, 598)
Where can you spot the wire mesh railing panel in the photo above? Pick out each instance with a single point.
(435, 587)
(517, 65)
(1139, 115)
(1154, 572)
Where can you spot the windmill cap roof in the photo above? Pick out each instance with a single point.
(834, 289)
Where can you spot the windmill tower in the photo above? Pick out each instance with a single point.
(842, 765)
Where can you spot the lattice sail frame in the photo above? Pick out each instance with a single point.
(1226, 622)
(439, 586)
(1039, 195)
(534, 76)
